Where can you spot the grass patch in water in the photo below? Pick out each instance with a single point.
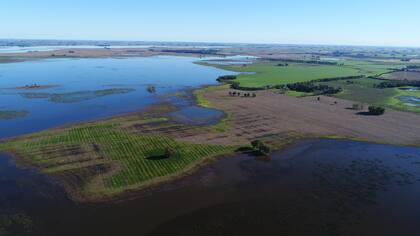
(17, 224)
(74, 97)
(10, 115)
(363, 90)
(224, 124)
(105, 158)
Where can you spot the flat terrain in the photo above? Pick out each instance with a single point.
(404, 75)
(261, 74)
(106, 159)
(364, 91)
(104, 52)
(267, 74)
(289, 117)
(102, 159)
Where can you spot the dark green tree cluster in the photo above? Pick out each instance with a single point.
(170, 153)
(261, 147)
(226, 78)
(234, 94)
(377, 111)
(317, 62)
(310, 87)
(398, 83)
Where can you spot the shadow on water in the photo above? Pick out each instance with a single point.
(313, 187)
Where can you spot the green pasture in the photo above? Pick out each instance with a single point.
(363, 90)
(261, 74)
(117, 160)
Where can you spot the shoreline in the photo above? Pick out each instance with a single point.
(75, 53)
(160, 108)
(145, 188)
(215, 96)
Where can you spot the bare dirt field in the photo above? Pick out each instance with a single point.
(287, 117)
(405, 75)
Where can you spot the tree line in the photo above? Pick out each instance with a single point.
(397, 83)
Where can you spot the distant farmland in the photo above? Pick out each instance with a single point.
(263, 74)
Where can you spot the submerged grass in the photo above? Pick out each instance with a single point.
(224, 124)
(102, 159)
(363, 90)
(73, 97)
(10, 115)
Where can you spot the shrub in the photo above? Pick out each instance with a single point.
(261, 147)
(377, 111)
(170, 153)
(310, 87)
(355, 107)
(397, 83)
(226, 78)
(256, 143)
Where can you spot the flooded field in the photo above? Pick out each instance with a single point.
(36, 95)
(316, 187)
(410, 89)
(194, 115)
(410, 100)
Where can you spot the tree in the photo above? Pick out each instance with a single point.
(377, 111)
(170, 152)
(256, 144)
(261, 147)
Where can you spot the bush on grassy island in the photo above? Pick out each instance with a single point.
(261, 147)
(376, 111)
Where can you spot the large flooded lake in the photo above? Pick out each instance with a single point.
(74, 90)
(313, 187)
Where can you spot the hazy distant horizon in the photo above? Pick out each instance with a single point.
(143, 42)
(382, 23)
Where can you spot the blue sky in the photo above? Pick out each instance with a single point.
(355, 22)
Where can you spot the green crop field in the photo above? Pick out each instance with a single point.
(108, 159)
(263, 74)
(370, 68)
(271, 74)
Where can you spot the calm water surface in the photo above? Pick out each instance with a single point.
(86, 89)
(314, 187)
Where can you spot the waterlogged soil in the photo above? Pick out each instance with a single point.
(195, 115)
(75, 97)
(313, 187)
(410, 89)
(410, 100)
(10, 115)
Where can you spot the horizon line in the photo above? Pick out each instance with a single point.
(218, 42)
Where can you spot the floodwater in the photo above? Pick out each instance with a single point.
(410, 89)
(26, 49)
(87, 89)
(232, 60)
(313, 187)
(194, 115)
(410, 100)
